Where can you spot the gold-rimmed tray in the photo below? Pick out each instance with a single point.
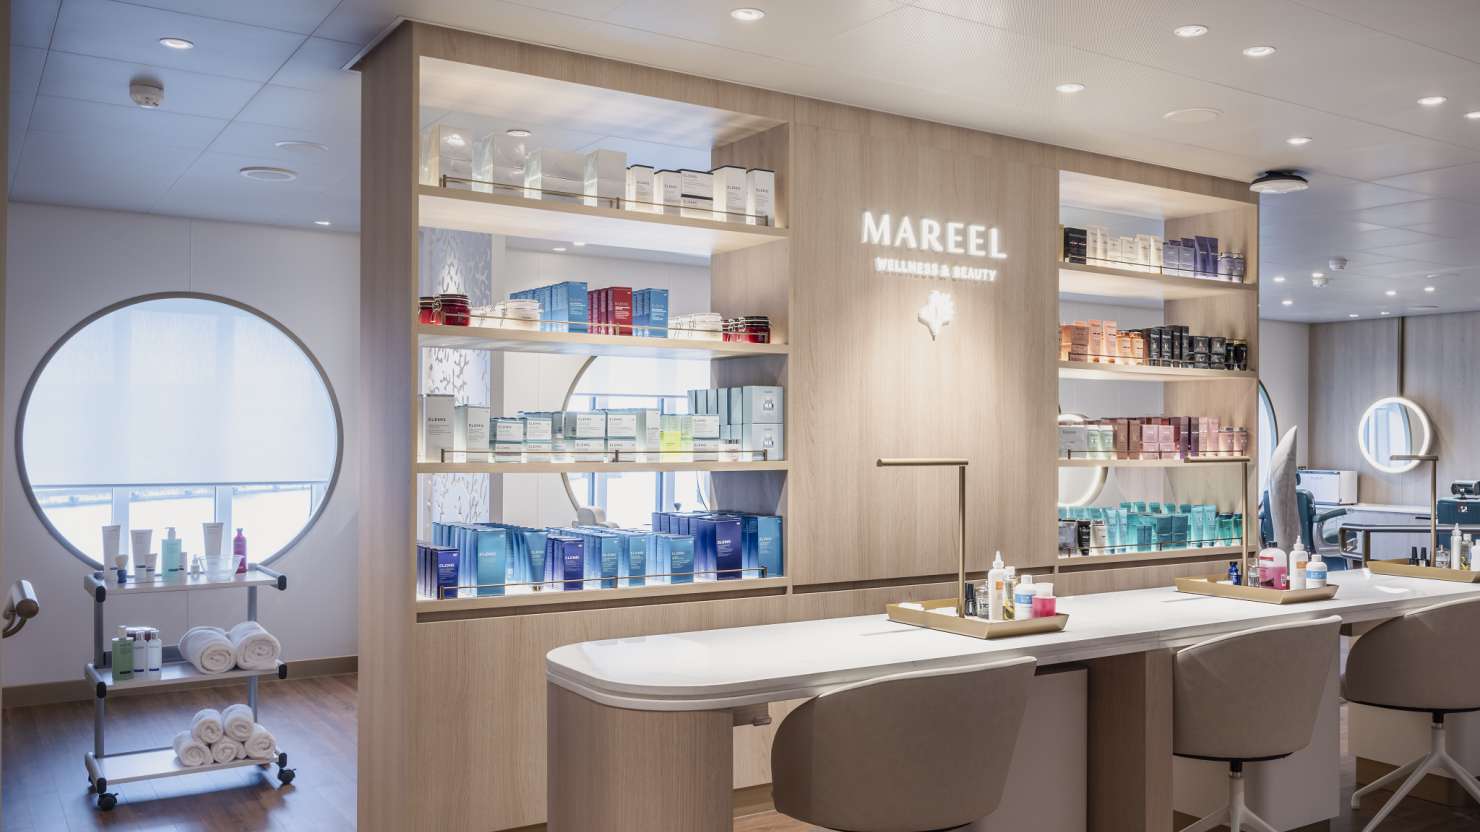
(973, 627)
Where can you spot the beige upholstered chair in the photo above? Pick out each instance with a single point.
(915, 752)
(1424, 661)
(1250, 697)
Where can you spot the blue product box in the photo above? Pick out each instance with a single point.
(675, 554)
(717, 546)
(572, 294)
(762, 541)
(650, 312)
(604, 551)
(570, 553)
(444, 568)
(493, 560)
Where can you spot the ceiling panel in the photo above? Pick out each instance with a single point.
(300, 16)
(31, 22)
(244, 138)
(317, 66)
(107, 81)
(1459, 182)
(76, 169)
(148, 131)
(303, 109)
(127, 32)
(1421, 211)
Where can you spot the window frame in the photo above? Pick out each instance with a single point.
(222, 490)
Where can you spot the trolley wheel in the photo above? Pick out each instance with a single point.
(107, 800)
(286, 775)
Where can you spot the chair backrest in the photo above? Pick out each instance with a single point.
(925, 750)
(1254, 694)
(1424, 661)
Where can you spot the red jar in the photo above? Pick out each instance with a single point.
(453, 310)
(426, 310)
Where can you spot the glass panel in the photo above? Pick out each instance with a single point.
(270, 516)
(1269, 431)
(629, 498)
(78, 515)
(183, 508)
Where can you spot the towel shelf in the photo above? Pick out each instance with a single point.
(105, 770)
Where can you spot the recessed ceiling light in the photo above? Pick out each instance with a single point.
(456, 140)
(1278, 182)
(1391, 293)
(1287, 302)
(1298, 140)
(1317, 274)
(1432, 100)
(578, 243)
(1353, 315)
(267, 174)
(176, 43)
(1072, 86)
(1279, 278)
(1259, 51)
(1424, 308)
(299, 146)
(1384, 313)
(1473, 115)
(1192, 115)
(324, 223)
(518, 132)
(558, 248)
(1430, 289)
(1191, 30)
(747, 14)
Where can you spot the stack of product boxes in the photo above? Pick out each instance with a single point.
(1101, 342)
(751, 418)
(615, 310)
(728, 545)
(1184, 257)
(563, 306)
(1152, 437)
(481, 558)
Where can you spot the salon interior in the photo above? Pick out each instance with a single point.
(640, 416)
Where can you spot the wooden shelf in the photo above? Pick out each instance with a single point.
(518, 216)
(1102, 281)
(584, 343)
(529, 602)
(174, 673)
(1152, 463)
(1145, 557)
(591, 467)
(1131, 372)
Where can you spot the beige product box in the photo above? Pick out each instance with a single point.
(704, 426)
(639, 191)
(763, 437)
(500, 159)
(606, 178)
(588, 450)
(729, 193)
(706, 450)
(470, 429)
(537, 427)
(436, 426)
(539, 451)
(508, 430)
(668, 191)
(447, 151)
(555, 174)
(621, 425)
(760, 197)
(649, 430)
(583, 425)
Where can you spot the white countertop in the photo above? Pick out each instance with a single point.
(717, 669)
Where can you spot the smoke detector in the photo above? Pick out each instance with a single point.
(146, 92)
(1337, 263)
(1319, 280)
(1279, 182)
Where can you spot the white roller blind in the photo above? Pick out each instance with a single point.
(181, 390)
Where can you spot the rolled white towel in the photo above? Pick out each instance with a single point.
(238, 722)
(227, 749)
(262, 745)
(191, 751)
(206, 726)
(255, 648)
(208, 649)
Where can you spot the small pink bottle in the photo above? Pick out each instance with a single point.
(239, 551)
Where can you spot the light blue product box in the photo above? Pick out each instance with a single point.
(677, 553)
(768, 440)
(711, 401)
(538, 427)
(509, 452)
(541, 570)
(493, 561)
(723, 396)
(761, 536)
(584, 424)
(694, 401)
(705, 426)
(650, 312)
(549, 313)
(621, 424)
(604, 552)
(506, 430)
(761, 405)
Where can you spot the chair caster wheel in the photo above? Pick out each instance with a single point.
(286, 775)
(107, 800)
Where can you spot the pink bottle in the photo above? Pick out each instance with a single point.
(239, 551)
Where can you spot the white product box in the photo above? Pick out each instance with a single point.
(729, 193)
(649, 430)
(582, 425)
(760, 196)
(470, 428)
(621, 425)
(705, 426)
(605, 178)
(508, 430)
(500, 159)
(436, 426)
(668, 190)
(1073, 440)
(447, 151)
(639, 192)
(509, 452)
(706, 450)
(762, 437)
(761, 405)
(537, 427)
(588, 450)
(696, 183)
(555, 174)
(626, 446)
(698, 207)
(538, 451)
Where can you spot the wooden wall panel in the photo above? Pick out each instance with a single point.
(1351, 366)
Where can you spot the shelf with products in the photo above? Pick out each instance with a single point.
(537, 602)
(595, 467)
(1176, 462)
(1083, 371)
(1111, 282)
(585, 343)
(1070, 562)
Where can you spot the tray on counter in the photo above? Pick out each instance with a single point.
(1262, 594)
(973, 627)
(1433, 573)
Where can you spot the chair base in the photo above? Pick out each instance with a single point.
(1436, 760)
(1236, 814)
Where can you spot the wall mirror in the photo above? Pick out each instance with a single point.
(1080, 486)
(177, 410)
(1393, 425)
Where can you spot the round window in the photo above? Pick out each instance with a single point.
(174, 411)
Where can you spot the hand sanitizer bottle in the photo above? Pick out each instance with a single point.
(996, 581)
(1315, 572)
(171, 558)
(1299, 566)
(1022, 598)
(1456, 547)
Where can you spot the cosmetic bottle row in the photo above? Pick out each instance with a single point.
(1184, 257)
(171, 559)
(1142, 526)
(493, 559)
(501, 163)
(1007, 596)
(1278, 569)
(136, 653)
(1101, 342)
(1152, 437)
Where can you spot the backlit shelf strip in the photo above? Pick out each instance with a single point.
(585, 343)
(1109, 281)
(1140, 372)
(534, 601)
(1182, 462)
(1086, 561)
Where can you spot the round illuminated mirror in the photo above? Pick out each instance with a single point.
(1393, 426)
(1080, 486)
(176, 411)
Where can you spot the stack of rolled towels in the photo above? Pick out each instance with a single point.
(247, 646)
(217, 737)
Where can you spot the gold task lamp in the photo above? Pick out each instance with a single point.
(1433, 461)
(960, 466)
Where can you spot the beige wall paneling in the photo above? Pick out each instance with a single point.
(5, 154)
(1351, 366)
(1439, 376)
(1130, 743)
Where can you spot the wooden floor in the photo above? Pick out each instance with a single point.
(45, 784)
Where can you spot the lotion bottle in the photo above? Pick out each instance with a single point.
(1022, 598)
(997, 574)
(1299, 563)
(239, 551)
(1315, 572)
(1456, 546)
(156, 654)
(170, 556)
(123, 655)
(1009, 584)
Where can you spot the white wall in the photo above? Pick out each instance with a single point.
(66, 263)
(1284, 367)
